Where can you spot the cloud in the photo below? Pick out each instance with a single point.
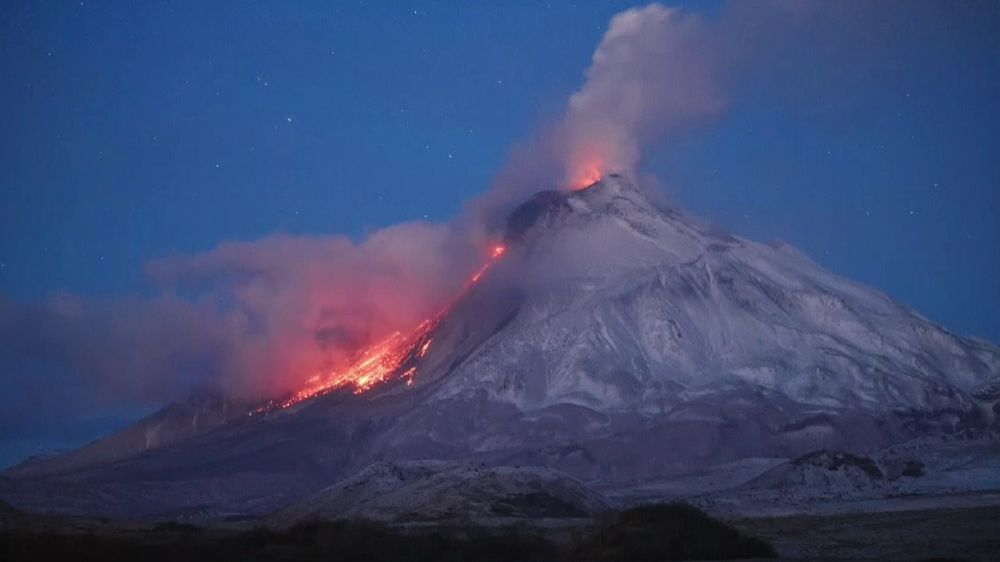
(296, 304)
(140, 349)
(253, 319)
(657, 73)
(653, 73)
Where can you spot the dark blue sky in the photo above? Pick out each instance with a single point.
(132, 131)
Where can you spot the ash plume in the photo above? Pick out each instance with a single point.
(653, 72)
(658, 73)
(252, 319)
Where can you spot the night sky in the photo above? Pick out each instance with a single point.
(131, 131)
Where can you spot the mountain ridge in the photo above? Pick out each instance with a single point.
(617, 341)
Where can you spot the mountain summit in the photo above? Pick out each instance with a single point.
(618, 340)
(629, 305)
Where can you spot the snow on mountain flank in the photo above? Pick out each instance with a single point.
(618, 341)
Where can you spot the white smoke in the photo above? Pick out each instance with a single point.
(653, 73)
(657, 73)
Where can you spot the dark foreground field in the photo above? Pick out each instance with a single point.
(944, 534)
(664, 532)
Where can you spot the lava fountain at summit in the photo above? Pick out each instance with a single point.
(587, 175)
(396, 357)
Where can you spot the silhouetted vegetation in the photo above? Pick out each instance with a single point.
(668, 532)
(649, 533)
(176, 527)
(913, 469)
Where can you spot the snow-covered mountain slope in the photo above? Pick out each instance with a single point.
(925, 473)
(821, 472)
(176, 422)
(630, 307)
(619, 341)
(436, 491)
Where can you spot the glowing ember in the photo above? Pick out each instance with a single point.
(497, 252)
(477, 275)
(424, 348)
(378, 363)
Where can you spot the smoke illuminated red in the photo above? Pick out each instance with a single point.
(588, 174)
(383, 361)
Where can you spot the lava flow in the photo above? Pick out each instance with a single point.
(380, 362)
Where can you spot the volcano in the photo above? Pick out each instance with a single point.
(615, 339)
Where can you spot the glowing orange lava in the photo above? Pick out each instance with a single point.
(589, 174)
(382, 361)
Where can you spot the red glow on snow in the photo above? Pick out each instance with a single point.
(381, 362)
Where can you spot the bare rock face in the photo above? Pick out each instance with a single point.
(618, 341)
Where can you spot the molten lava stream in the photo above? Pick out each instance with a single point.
(377, 363)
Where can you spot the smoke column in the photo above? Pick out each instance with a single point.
(657, 73)
(651, 74)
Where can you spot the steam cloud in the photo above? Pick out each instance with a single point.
(256, 318)
(657, 72)
(651, 74)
